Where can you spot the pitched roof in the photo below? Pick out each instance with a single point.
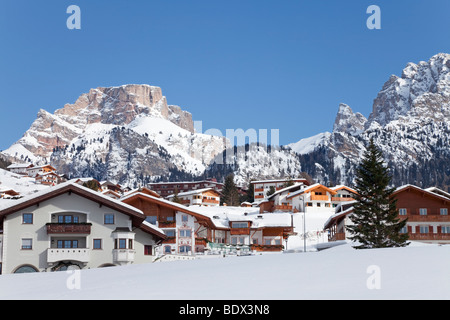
(135, 214)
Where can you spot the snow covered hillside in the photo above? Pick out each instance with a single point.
(415, 272)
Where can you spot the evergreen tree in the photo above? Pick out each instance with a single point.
(175, 198)
(230, 194)
(271, 191)
(375, 217)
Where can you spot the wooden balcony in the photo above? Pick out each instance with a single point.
(240, 231)
(284, 207)
(429, 236)
(319, 198)
(69, 228)
(337, 236)
(170, 240)
(166, 224)
(211, 201)
(341, 199)
(259, 190)
(425, 218)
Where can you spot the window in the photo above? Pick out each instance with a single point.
(169, 233)
(67, 244)
(309, 204)
(402, 211)
(109, 219)
(151, 219)
(404, 229)
(148, 250)
(234, 240)
(185, 233)
(167, 249)
(277, 242)
(255, 241)
(185, 249)
(268, 242)
(67, 219)
(423, 211)
(445, 229)
(97, 244)
(423, 229)
(27, 218)
(122, 243)
(239, 225)
(27, 244)
(443, 211)
(184, 218)
(169, 219)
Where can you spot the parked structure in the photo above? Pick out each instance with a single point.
(70, 225)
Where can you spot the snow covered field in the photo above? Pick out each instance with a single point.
(415, 272)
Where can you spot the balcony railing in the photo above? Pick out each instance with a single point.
(60, 254)
(429, 236)
(62, 228)
(283, 207)
(240, 231)
(425, 218)
(166, 224)
(319, 198)
(341, 199)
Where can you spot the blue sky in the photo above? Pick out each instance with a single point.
(233, 64)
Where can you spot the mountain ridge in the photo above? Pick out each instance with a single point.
(117, 132)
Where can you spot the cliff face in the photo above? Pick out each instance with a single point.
(410, 123)
(115, 105)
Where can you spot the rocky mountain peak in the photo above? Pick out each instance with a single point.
(347, 121)
(418, 92)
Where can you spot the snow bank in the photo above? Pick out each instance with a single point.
(414, 272)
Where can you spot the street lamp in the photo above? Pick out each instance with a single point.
(304, 224)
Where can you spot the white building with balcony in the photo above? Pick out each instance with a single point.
(70, 225)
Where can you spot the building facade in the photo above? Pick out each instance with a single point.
(426, 211)
(73, 226)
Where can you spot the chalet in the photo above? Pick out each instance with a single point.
(8, 193)
(108, 185)
(426, 211)
(186, 230)
(201, 197)
(261, 187)
(194, 229)
(242, 227)
(35, 170)
(49, 178)
(278, 201)
(72, 226)
(343, 194)
(20, 168)
(313, 198)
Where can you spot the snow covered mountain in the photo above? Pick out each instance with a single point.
(410, 122)
(127, 134)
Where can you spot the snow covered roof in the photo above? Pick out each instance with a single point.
(191, 192)
(51, 192)
(296, 185)
(19, 165)
(431, 191)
